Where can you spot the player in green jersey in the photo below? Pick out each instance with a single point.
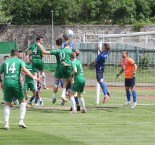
(37, 62)
(57, 74)
(29, 83)
(12, 86)
(79, 83)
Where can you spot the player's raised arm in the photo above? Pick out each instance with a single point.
(43, 50)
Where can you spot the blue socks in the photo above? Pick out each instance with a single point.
(36, 99)
(104, 88)
(128, 94)
(76, 100)
(31, 99)
(134, 96)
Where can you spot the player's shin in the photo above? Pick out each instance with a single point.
(6, 114)
(72, 101)
(82, 103)
(128, 94)
(134, 96)
(22, 111)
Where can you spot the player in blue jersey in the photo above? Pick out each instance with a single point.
(100, 64)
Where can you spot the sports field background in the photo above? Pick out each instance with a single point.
(107, 124)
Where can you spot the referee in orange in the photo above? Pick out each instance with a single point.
(129, 68)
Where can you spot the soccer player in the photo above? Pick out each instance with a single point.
(79, 83)
(37, 62)
(2, 85)
(129, 68)
(12, 86)
(100, 64)
(66, 41)
(29, 83)
(57, 74)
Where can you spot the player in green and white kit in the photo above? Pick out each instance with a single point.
(12, 86)
(29, 83)
(37, 62)
(79, 83)
(57, 74)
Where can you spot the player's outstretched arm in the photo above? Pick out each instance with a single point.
(24, 69)
(43, 50)
(119, 73)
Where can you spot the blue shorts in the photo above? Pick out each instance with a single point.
(99, 74)
(129, 82)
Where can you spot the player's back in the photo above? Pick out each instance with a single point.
(65, 55)
(11, 69)
(76, 63)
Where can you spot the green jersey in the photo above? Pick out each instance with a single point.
(27, 78)
(77, 64)
(65, 55)
(36, 52)
(11, 69)
(56, 53)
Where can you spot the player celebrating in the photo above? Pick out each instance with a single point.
(12, 86)
(129, 68)
(79, 83)
(100, 64)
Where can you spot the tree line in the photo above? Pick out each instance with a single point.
(72, 12)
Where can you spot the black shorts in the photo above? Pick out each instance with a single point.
(129, 82)
(99, 75)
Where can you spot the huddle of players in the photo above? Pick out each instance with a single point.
(69, 69)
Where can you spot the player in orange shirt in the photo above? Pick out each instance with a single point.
(129, 68)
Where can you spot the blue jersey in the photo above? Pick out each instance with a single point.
(71, 45)
(100, 60)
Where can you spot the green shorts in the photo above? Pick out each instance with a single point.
(57, 73)
(28, 86)
(78, 85)
(15, 91)
(37, 65)
(66, 71)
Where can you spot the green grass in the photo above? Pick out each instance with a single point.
(142, 76)
(108, 124)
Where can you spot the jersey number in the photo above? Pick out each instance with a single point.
(35, 50)
(11, 69)
(62, 56)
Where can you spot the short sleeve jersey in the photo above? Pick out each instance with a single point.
(27, 78)
(77, 64)
(56, 53)
(65, 55)
(11, 69)
(101, 59)
(36, 52)
(128, 67)
(71, 44)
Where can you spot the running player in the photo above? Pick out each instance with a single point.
(79, 83)
(129, 68)
(11, 69)
(100, 64)
(37, 62)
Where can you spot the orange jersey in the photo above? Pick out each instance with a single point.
(128, 67)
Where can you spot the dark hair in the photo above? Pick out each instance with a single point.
(125, 52)
(77, 51)
(20, 51)
(59, 41)
(38, 38)
(65, 37)
(106, 45)
(73, 55)
(6, 56)
(14, 52)
(30, 55)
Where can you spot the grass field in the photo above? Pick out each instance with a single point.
(106, 124)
